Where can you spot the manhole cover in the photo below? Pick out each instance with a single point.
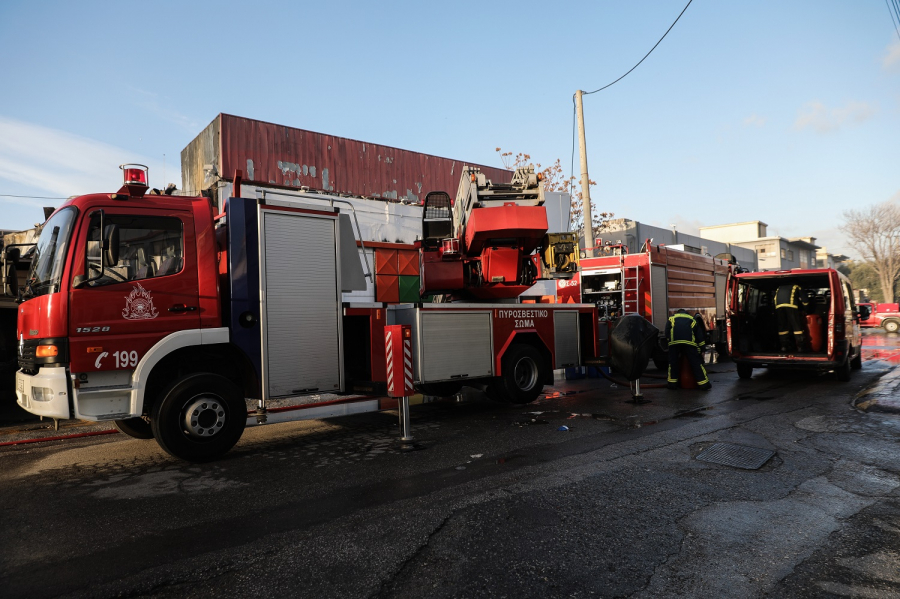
(739, 456)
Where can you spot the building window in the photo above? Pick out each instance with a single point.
(790, 255)
(783, 253)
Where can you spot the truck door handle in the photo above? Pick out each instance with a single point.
(182, 308)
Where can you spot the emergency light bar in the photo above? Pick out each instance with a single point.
(135, 174)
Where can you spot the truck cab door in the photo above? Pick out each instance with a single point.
(119, 312)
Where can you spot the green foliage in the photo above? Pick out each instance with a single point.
(863, 275)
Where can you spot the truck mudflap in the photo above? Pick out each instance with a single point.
(45, 393)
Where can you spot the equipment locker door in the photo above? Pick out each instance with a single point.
(301, 304)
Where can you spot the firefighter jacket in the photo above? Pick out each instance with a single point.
(790, 296)
(682, 329)
(700, 330)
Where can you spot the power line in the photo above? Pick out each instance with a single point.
(894, 18)
(645, 55)
(7, 195)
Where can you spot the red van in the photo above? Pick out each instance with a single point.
(831, 335)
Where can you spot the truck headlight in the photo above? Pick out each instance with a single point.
(42, 394)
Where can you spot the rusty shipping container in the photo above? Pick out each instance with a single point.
(286, 157)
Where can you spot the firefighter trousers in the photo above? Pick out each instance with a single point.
(692, 352)
(791, 329)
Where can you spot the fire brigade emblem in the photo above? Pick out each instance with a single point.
(139, 305)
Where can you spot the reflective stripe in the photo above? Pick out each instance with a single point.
(682, 343)
(784, 332)
(798, 332)
(786, 306)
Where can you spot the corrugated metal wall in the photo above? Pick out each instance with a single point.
(276, 155)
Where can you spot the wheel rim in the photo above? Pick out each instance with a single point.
(525, 374)
(204, 416)
(891, 327)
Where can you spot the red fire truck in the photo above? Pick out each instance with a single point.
(886, 316)
(655, 283)
(154, 312)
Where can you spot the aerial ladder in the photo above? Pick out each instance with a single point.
(491, 242)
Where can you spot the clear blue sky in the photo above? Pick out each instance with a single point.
(785, 112)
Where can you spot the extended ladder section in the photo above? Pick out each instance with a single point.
(630, 284)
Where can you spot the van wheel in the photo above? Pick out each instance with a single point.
(856, 362)
(200, 417)
(135, 427)
(891, 326)
(745, 371)
(661, 359)
(523, 375)
(842, 372)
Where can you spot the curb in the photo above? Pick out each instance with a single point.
(882, 397)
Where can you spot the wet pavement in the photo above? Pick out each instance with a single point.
(580, 493)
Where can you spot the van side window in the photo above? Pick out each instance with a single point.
(149, 247)
(849, 304)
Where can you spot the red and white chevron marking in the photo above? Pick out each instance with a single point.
(407, 367)
(389, 357)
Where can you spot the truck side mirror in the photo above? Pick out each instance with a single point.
(110, 245)
(865, 312)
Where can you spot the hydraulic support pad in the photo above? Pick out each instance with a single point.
(398, 364)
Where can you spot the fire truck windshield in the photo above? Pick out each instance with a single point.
(50, 254)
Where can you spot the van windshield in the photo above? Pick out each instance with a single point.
(50, 254)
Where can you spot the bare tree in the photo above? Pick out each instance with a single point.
(556, 180)
(875, 233)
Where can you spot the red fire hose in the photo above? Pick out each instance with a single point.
(59, 437)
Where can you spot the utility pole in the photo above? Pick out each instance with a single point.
(587, 221)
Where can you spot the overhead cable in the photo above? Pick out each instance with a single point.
(645, 55)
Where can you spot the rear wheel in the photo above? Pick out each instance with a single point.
(745, 371)
(722, 350)
(891, 326)
(856, 361)
(660, 359)
(523, 375)
(200, 417)
(135, 427)
(842, 372)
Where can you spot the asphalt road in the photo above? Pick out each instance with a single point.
(496, 502)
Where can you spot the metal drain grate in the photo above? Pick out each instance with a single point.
(739, 456)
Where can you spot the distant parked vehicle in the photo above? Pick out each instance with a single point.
(886, 316)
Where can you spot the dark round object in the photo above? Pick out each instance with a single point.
(661, 359)
(247, 319)
(444, 389)
(200, 417)
(523, 375)
(135, 427)
(745, 371)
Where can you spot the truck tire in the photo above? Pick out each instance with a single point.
(523, 373)
(199, 418)
(135, 427)
(722, 350)
(891, 326)
(661, 360)
(856, 361)
(745, 371)
(842, 372)
(445, 389)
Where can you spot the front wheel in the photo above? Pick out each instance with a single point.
(745, 371)
(523, 375)
(135, 427)
(200, 417)
(856, 362)
(891, 326)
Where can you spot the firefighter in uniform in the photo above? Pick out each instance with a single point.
(788, 301)
(686, 337)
